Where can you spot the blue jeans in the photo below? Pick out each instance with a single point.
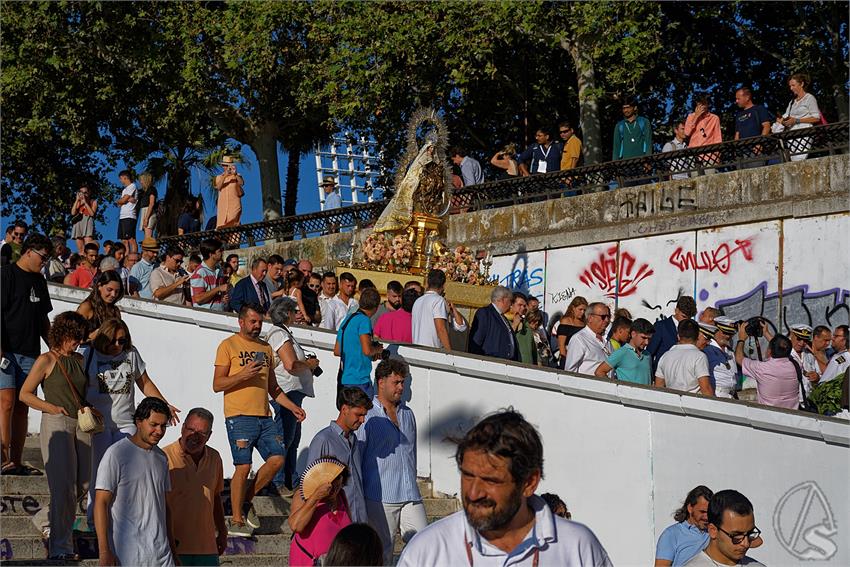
(14, 375)
(291, 438)
(246, 432)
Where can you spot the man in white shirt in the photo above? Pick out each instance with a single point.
(678, 143)
(588, 348)
(327, 292)
(127, 213)
(684, 367)
(431, 314)
(801, 338)
(840, 360)
(335, 310)
(503, 522)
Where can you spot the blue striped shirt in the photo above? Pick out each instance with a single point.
(332, 442)
(389, 455)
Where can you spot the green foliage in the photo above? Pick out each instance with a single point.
(827, 396)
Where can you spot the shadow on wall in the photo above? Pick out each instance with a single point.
(453, 423)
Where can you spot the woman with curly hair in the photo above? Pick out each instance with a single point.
(100, 305)
(66, 449)
(114, 368)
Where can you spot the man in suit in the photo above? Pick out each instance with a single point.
(252, 290)
(666, 330)
(491, 333)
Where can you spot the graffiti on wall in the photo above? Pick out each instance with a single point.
(645, 202)
(717, 259)
(606, 270)
(798, 306)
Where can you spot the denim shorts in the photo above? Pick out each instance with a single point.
(15, 373)
(249, 432)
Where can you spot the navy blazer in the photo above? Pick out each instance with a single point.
(665, 336)
(491, 336)
(244, 293)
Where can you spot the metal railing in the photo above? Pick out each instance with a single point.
(727, 156)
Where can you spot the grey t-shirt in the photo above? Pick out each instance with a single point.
(138, 480)
(703, 560)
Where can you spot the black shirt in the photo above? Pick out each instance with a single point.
(26, 304)
(310, 299)
(145, 199)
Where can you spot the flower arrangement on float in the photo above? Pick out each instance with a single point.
(386, 252)
(461, 265)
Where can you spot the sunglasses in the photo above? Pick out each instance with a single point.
(43, 257)
(565, 131)
(603, 317)
(19, 234)
(737, 539)
(120, 341)
(314, 286)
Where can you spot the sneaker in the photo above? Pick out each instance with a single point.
(284, 492)
(251, 517)
(239, 529)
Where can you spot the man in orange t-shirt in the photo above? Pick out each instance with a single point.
(243, 371)
(197, 481)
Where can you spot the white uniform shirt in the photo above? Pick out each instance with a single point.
(807, 363)
(836, 367)
(334, 312)
(682, 366)
(555, 540)
(585, 352)
(726, 378)
(430, 306)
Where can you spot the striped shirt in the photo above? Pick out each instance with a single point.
(389, 455)
(203, 280)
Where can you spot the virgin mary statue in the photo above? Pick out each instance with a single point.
(421, 190)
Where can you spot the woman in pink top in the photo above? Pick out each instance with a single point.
(229, 186)
(318, 512)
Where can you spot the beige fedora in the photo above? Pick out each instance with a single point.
(227, 160)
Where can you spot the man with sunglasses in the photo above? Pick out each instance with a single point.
(571, 153)
(26, 304)
(15, 234)
(840, 361)
(588, 348)
(732, 531)
(168, 281)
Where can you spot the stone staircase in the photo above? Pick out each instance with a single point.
(24, 500)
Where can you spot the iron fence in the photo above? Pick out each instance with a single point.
(726, 156)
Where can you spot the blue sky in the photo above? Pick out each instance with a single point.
(308, 193)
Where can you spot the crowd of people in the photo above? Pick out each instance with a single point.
(361, 475)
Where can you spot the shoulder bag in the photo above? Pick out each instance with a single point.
(87, 420)
(806, 405)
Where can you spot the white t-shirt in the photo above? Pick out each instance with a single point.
(128, 209)
(558, 542)
(703, 560)
(301, 380)
(112, 384)
(585, 352)
(138, 480)
(430, 306)
(682, 366)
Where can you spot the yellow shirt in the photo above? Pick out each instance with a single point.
(192, 500)
(252, 396)
(572, 149)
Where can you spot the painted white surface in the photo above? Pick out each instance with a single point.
(739, 268)
(525, 272)
(623, 457)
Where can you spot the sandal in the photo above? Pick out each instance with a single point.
(26, 470)
(11, 470)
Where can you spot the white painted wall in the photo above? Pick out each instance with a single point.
(622, 456)
(738, 267)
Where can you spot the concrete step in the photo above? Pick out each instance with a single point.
(24, 485)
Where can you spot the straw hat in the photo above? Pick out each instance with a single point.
(329, 180)
(150, 243)
(228, 160)
(318, 473)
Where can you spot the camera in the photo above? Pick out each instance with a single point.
(753, 328)
(318, 370)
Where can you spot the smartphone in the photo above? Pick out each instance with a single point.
(259, 357)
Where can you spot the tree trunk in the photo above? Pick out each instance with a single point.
(264, 144)
(293, 172)
(588, 102)
(176, 193)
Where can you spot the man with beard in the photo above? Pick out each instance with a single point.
(131, 516)
(243, 371)
(197, 481)
(392, 303)
(501, 463)
(686, 538)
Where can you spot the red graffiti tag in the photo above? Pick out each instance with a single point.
(719, 259)
(604, 273)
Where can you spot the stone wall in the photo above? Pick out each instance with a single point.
(812, 187)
